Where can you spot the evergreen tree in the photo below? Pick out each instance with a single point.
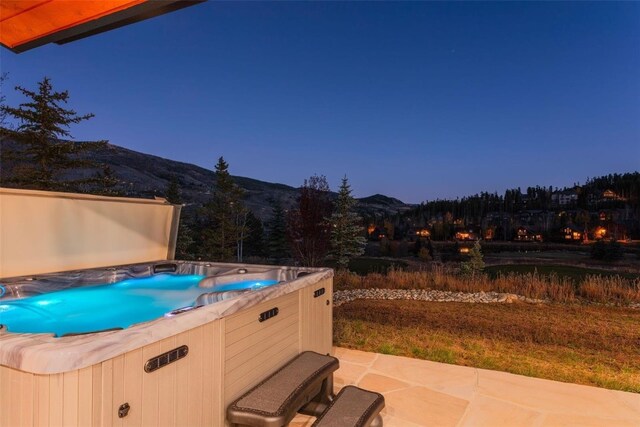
(430, 248)
(254, 244)
(225, 218)
(347, 235)
(475, 264)
(277, 245)
(106, 182)
(173, 193)
(3, 97)
(417, 246)
(185, 241)
(42, 155)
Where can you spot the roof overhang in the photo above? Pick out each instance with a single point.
(26, 24)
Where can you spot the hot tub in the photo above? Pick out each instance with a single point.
(160, 343)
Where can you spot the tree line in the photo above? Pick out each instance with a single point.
(316, 229)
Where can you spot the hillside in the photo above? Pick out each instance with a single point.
(145, 175)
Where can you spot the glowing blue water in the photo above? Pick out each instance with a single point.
(108, 306)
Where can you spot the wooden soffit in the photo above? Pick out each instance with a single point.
(26, 24)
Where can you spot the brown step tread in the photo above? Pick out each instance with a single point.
(352, 407)
(276, 399)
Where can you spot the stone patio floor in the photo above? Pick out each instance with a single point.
(424, 393)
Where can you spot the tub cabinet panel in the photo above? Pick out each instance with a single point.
(316, 317)
(254, 348)
(185, 392)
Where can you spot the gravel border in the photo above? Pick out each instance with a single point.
(341, 297)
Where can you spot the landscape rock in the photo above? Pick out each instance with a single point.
(341, 297)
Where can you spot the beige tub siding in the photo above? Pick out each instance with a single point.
(133, 387)
(85, 400)
(105, 388)
(254, 349)
(11, 381)
(25, 396)
(167, 385)
(56, 400)
(316, 318)
(40, 400)
(27, 399)
(150, 385)
(212, 376)
(70, 398)
(92, 396)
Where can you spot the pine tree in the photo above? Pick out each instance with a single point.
(42, 154)
(3, 114)
(347, 236)
(277, 245)
(225, 218)
(185, 241)
(173, 193)
(254, 244)
(475, 264)
(105, 182)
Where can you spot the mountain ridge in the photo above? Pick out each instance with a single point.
(148, 175)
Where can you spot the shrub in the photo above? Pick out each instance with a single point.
(424, 255)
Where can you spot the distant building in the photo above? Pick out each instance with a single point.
(466, 235)
(564, 198)
(377, 233)
(489, 233)
(524, 234)
(599, 232)
(422, 232)
(610, 195)
(572, 233)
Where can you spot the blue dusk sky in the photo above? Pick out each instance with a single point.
(413, 100)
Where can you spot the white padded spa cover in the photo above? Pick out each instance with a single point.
(43, 232)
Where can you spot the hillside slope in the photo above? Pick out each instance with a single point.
(146, 175)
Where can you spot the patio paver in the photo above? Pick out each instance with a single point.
(424, 393)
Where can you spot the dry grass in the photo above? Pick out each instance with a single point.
(600, 289)
(592, 345)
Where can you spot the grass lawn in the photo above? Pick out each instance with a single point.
(574, 273)
(592, 345)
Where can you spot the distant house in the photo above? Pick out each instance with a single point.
(611, 231)
(572, 233)
(489, 233)
(466, 235)
(422, 232)
(523, 234)
(599, 232)
(610, 195)
(376, 233)
(565, 197)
